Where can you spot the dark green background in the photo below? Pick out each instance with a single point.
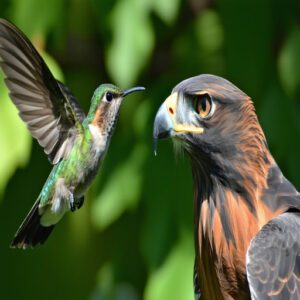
(133, 239)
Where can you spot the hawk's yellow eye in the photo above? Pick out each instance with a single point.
(203, 105)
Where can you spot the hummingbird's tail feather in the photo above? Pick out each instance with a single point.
(31, 232)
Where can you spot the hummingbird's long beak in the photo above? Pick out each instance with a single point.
(132, 90)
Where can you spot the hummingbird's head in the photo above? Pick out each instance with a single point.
(106, 104)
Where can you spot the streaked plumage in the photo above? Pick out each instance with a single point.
(247, 218)
(75, 144)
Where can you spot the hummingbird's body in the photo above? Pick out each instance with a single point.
(75, 143)
(70, 178)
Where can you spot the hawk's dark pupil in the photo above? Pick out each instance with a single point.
(203, 103)
(109, 96)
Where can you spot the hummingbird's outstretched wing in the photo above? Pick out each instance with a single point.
(48, 108)
(73, 101)
(273, 261)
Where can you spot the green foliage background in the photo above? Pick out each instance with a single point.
(133, 239)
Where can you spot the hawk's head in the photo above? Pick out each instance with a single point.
(216, 124)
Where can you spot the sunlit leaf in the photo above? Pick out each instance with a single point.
(174, 280)
(15, 141)
(132, 43)
(122, 190)
(167, 9)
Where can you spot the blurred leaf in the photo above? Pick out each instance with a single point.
(133, 41)
(289, 64)
(209, 31)
(125, 292)
(35, 16)
(122, 190)
(174, 280)
(106, 282)
(141, 117)
(15, 141)
(121, 291)
(53, 66)
(199, 46)
(210, 37)
(166, 9)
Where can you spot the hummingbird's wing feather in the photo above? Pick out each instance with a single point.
(73, 101)
(49, 110)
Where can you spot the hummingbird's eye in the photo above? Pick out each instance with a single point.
(109, 96)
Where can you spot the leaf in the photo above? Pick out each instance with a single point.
(105, 281)
(132, 43)
(108, 288)
(142, 117)
(209, 31)
(174, 280)
(52, 65)
(37, 17)
(167, 10)
(210, 37)
(289, 64)
(122, 190)
(15, 141)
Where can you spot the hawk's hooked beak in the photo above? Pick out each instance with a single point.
(132, 90)
(165, 124)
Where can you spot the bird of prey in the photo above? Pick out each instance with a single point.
(74, 143)
(247, 214)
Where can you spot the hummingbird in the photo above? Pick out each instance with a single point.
(75, 143)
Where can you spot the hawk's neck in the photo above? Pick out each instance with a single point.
(227, 217)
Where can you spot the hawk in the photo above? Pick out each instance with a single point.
(247, 214)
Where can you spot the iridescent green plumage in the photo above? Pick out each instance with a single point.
(75, 144)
